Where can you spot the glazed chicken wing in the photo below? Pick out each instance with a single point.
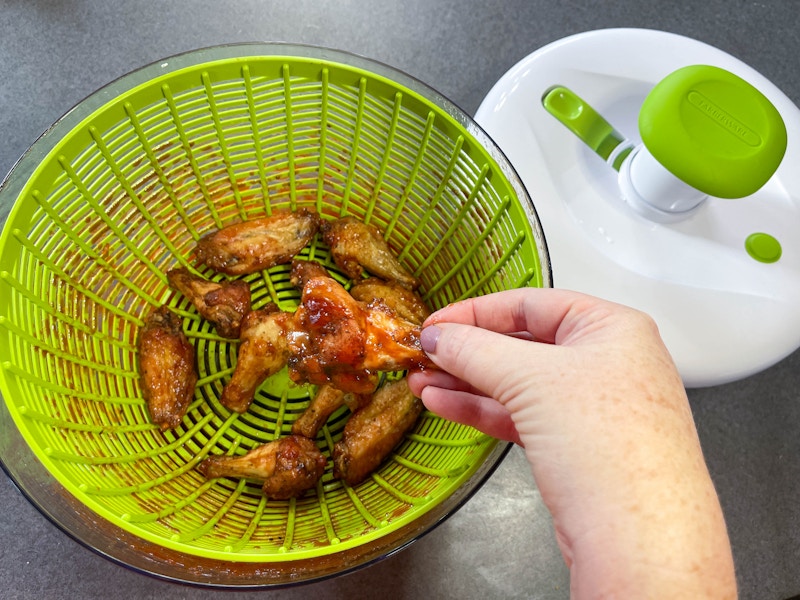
(402, 301)
(167, 373)
(263, 351)
(336, 339)
(259, 244)
(288, 466)
(325, 402)
(224, 304)
(327, 343)
(356, 246)
(373, 431)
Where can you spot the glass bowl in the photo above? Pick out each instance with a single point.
(119, 190)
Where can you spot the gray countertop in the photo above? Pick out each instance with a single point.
(500, 545)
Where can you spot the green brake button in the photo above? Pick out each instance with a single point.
(713, 130)
(763, 247)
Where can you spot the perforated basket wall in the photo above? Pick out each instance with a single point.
(118, 193)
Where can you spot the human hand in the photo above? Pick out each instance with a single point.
(591, 393)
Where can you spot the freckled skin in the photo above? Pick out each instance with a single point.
(602, 414)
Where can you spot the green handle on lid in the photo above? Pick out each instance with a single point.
(713, 130)
(585, 122)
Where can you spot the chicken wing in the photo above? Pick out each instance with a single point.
(325, 402)
(263, 351)
(288, 466)
(167, 373)
(373, 431)
(403, 302)
(336, 339)
(303, 270)
(259, 244)
(224, 304)
(355, 245)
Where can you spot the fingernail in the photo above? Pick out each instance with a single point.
(428, 338)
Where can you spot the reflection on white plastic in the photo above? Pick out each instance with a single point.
(654, 192)
(722, 314)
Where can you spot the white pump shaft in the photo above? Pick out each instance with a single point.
(650, 189)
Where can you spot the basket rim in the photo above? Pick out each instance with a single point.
(21, 171)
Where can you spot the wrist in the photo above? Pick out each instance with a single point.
(649, 526)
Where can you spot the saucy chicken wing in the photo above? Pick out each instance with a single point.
(336, 339)
(373, 431)
(167, 373)
(403, 302)
(356, 246)
(258, 244)
(224, 304)
(325, 402)
(288, 466)
(263, 351)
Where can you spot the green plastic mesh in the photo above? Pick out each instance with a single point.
(124, 196)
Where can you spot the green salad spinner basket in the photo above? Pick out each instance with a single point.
(118, 191)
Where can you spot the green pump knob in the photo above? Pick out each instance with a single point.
(705, 132)
(713, 131)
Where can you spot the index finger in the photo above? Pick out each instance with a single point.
(539, 312)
